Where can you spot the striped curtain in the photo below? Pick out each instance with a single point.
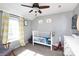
(5, 19)
(21, 27)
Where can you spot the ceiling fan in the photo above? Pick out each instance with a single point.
(36, 6)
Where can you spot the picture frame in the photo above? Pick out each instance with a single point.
(74, 22)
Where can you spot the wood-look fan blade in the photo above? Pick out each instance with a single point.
(40, 11)
(26, 6)
(43, 7)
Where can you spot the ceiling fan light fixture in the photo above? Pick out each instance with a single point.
(35, 9)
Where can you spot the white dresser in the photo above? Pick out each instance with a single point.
(71, 46)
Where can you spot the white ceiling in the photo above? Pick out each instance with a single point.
(17, 9)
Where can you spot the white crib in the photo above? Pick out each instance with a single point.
(44, 38)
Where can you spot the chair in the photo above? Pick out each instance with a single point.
(5, 51)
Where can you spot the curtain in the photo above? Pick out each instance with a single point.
(78, 23)
(5, 19)
(21, 23)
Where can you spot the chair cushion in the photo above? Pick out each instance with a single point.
(4, 51)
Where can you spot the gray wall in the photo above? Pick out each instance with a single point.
(61, 24)
(27, 31)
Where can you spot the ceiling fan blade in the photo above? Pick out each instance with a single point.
(26, 6)
(30, 11)
(40, 11)
(43, 7)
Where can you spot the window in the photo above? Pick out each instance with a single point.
(13, 32)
